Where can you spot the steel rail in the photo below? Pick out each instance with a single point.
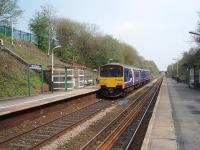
(142, 119)
(111, 139)
(46, 124)
(93, 142)
(39, 142)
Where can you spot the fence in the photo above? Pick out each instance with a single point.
(18, 34)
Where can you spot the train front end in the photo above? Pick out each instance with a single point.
(111, 80)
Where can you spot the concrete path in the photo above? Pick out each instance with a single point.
(186, 114)
(175, 123)
(161, 133)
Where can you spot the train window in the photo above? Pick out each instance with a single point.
(136, 74)
(111, 71)
(127, 75)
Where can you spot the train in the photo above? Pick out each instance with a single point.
(117, 80)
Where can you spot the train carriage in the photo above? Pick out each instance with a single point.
(145, 76)
(116, 79)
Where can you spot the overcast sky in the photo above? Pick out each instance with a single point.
(157, 29)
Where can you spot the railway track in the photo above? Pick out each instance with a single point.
(19, 122)
(38, 136)
(41, 135)
(120, 132)
(133, 134)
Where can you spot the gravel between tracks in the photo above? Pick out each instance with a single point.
(69, 135)
(81, 139)
(77, 142)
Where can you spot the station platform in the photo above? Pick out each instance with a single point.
(175, 122)
(8, 106)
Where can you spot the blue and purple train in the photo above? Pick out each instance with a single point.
(117, 80)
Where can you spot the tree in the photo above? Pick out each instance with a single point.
(9, 9)
(84, 44)
(42, 26)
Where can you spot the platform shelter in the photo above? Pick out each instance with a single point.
(67, 77)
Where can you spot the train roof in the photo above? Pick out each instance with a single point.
(146, 70)
(137, 68)
(112, 64)
(125, 66)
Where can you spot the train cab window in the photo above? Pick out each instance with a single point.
(111, 71)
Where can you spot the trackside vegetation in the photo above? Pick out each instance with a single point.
(190, 61)
(13, 74)
(14, 77)
(83, 43)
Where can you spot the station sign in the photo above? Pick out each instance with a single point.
(35, 66)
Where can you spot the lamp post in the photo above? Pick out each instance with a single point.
(52, 65)
(198, 34)
(176, 68)
(195, 33)
(12, 33)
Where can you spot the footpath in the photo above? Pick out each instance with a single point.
(175, 123)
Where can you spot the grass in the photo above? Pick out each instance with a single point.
(14, 78)
(30, 52)
(13, 74)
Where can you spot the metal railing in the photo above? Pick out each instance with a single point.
(18, 34)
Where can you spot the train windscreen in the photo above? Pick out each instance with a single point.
(111, 71)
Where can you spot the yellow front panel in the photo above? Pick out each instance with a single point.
(111, 81)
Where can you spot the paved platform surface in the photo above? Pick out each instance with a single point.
(175, 123)
(12, 105)
(161, 132)
(185, 104)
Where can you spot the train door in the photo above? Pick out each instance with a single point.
(133, 76)
(137, 77)
(128, 77)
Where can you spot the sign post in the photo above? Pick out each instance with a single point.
(29, 86)
(42, 76)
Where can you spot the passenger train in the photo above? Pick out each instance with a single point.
(117, 80)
